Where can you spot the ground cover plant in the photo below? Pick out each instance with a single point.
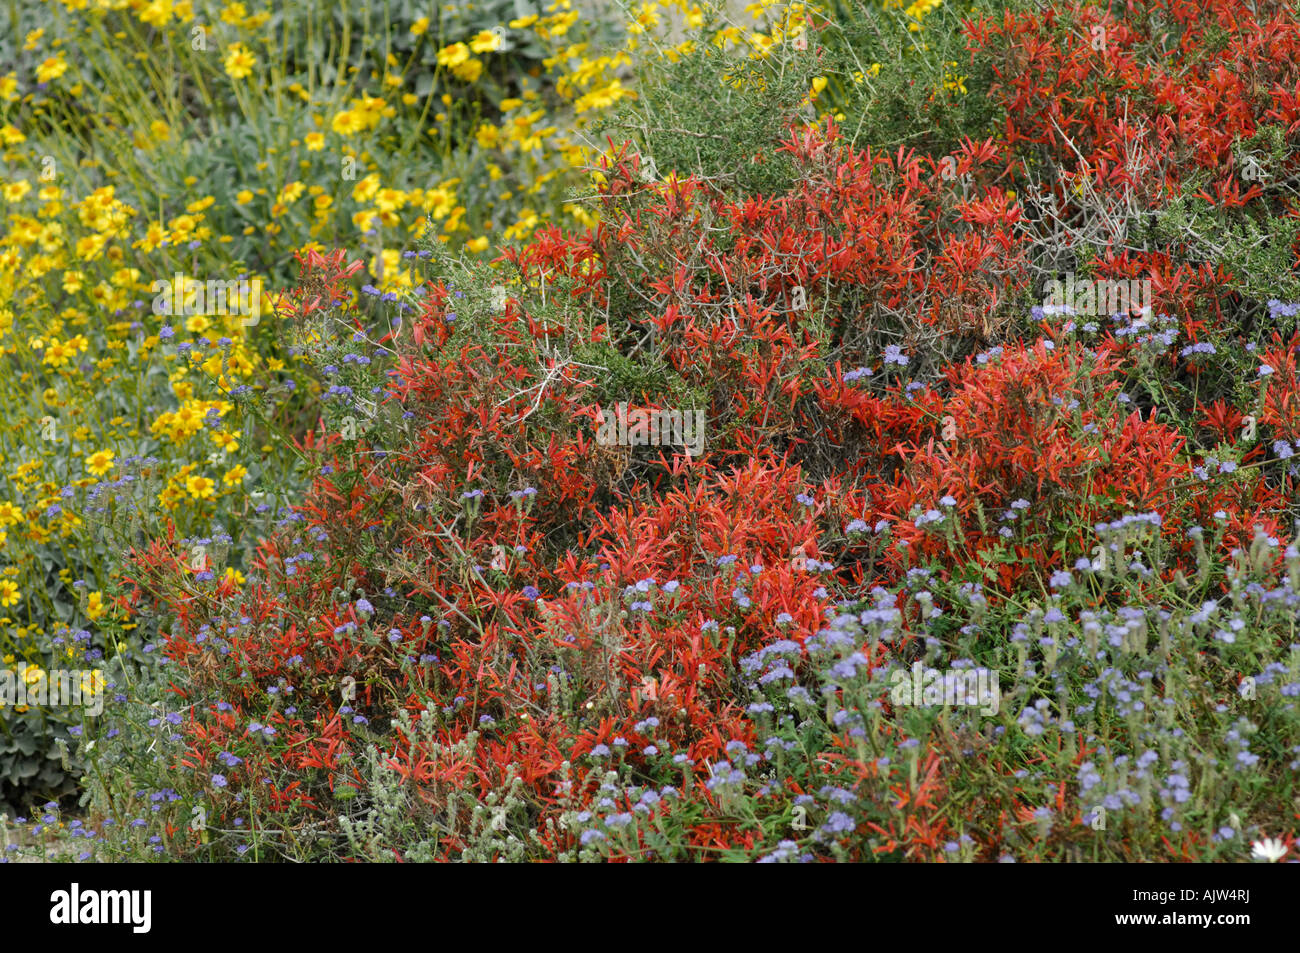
(893, 461)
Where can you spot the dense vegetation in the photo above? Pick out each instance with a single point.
(965, 570)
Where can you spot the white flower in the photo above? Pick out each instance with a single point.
(1270, 849)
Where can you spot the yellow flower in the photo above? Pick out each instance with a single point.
(235, 475)
(388, 272)
(524, 226)
(581, 214)
(367, 188)
(348, 122)
(420, 26)
(57, 354)
(234, 14)
(485, 42)
(99, 462)
(389, 200)
(315, 141)
(440, 201)
(51, 69)
(10, 515)
(14, 191)
(601, 96)
(9, 594)
(233, 575)
(469, 71)
(919, 11)
(477, 244)
(646, 17)
(95, 605)
(200, 487)
(239, 61)
(227, 440)
(157, 13)
(453, 55)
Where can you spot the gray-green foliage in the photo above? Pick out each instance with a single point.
(716, 114)
(32, 765)
(395, 818)
(1255, 248)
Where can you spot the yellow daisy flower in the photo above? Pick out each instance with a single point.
(99, 462)
(239, 61)
(200, 487)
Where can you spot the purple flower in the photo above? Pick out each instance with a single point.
(839, 823)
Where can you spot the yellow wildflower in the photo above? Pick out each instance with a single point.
(99, 462)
